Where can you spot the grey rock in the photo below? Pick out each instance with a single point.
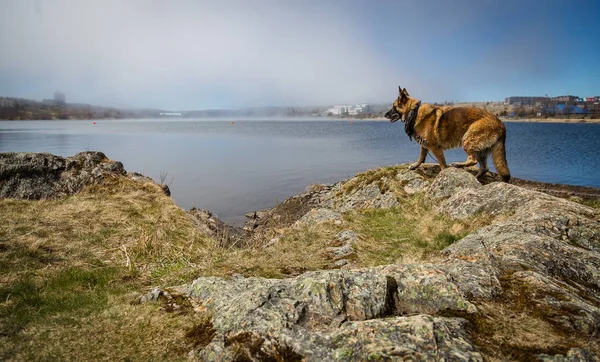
(346, 236)
(303, 315)
(413, 181)
(166, 189)
(317, 216)
(573, 355)
(43, 175)
(494, 198)
(449, 181)
(368, 196)
(213, 227)
(152, 296)
(138, 177)
(339, 252)
(424, 288)
(339, 263)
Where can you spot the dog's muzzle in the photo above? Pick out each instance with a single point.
(393, 115)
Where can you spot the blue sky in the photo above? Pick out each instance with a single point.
(188, 54)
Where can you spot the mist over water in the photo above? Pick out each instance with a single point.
(232, 169)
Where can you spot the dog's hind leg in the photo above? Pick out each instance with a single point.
(471, 161)
(421, 159)
(439, 154)
(482, 157)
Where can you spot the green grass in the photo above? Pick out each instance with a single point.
(591, 203)
(74, 292)
(395, 235)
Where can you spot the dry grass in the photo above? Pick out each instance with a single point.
(299, 250)
(68, 268)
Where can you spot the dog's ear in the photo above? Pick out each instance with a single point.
(405, 92)
(400, 90)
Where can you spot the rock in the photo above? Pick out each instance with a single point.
(317, 216)
(449, 181)
(494, 198)
(339, 263)
(213, 227)
(271, 242)
(425, 289)
(166, 189)
(138, 177)
(413, 181)
(304, 316)
(152, 296)
(368, 196)
(340, 252)
(346, 236)
(43, 175)
(573, 355)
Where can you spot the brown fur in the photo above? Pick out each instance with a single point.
(437, 128)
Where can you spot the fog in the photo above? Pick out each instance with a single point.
(188, 54)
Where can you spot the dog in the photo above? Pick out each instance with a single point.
(438, 128)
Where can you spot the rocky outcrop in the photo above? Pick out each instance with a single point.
(541, 259)
(212, 226)
(43, 175)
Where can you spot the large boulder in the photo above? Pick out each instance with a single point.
(449, 181)
(43, 175)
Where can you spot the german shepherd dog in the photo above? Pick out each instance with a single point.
(437, 128)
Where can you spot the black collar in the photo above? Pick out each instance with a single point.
(409, 121)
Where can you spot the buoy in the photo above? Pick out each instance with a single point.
(231, 122)
(351, 122)
(93, 122)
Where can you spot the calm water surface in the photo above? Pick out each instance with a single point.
(235, 168)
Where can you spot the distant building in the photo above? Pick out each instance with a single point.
(525, 101)
(169, 114)
(7, 102)
(351, 110)
(566, 98)
(60, 98)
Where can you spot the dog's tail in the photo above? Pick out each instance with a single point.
(499, 157)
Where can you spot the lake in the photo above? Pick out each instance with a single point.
(234, 168)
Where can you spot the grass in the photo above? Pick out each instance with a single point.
(69, 269)
(594, 203)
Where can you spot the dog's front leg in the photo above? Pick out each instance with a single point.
(421, 159)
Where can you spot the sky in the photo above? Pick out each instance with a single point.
(229, 54)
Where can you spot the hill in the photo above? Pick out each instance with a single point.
(389, 264)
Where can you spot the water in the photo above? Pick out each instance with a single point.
(232, 169)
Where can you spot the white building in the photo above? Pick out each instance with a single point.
(351, 110)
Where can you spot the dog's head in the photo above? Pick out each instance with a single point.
(402, 105)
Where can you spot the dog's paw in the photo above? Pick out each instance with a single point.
(413, 166)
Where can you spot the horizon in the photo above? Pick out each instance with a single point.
(190, 55)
